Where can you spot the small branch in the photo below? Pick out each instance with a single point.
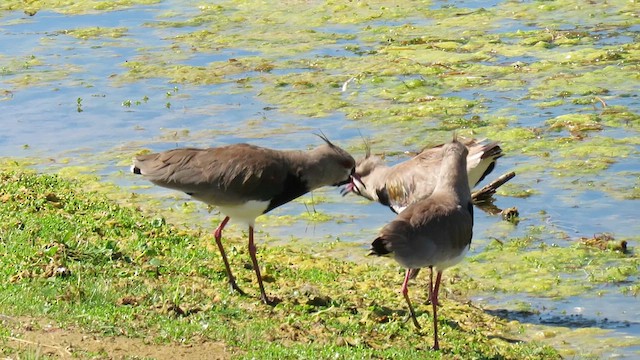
(488, 190)
(602, 102)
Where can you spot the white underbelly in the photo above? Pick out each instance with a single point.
(246, 212)
(452, 261)
(438, 261)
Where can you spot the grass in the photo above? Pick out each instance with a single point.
(80, 262)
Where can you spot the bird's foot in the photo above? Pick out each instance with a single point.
(270, 302)
(438, 303)
(416, 324)
(235, 288)
(415, 321)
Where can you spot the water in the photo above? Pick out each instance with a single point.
(43, 121)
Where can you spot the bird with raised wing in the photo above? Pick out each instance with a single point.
(415, 179)
(435, 231)
(245, 181)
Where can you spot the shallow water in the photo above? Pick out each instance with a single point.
(76, 110)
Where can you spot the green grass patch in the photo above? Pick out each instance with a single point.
(76, 259)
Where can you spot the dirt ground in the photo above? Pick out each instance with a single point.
(44, 339)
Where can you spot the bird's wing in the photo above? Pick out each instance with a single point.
(446, 222)
(256, 173)
(408, 184)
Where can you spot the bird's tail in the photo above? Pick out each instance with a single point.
(482, 159)
(380, 247)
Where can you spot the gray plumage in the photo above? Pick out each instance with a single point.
(436, 231)
(415, 179)
(229, 175)
(245, 181)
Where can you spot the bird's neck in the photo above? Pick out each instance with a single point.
(377, 177)
(307, 166)
(453, 179)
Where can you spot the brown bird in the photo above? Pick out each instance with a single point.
(435, 231)
(415, 179)
(245, 181)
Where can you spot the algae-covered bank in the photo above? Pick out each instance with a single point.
(93, 260)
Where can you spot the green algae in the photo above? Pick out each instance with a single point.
(620, 117)
(198, 75)
(556, 13)
(621, 185)
(97, 32)
(308, 94)
(515, 190)
(72, 6)
(32, 71)
(401, 52)
(559, 271)
(595, 82)
(596, 146)
(10, 66)
(591, 156)
(579, 343)
(442, 54)
(575, 122)
(272, 43)
(319, 217)
(406, 72)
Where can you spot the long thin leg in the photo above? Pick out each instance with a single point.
(256, 267)
(218, 236)
(430, 282)
(431, 285)
(434, 304)
(405, 293)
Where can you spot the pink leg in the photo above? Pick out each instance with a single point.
(431, 285)
(256, 267)
(434, 304)
(218, 236)
(405, 293)
(430, 282)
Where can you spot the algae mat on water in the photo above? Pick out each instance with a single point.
(74, 262)
(548, 79)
